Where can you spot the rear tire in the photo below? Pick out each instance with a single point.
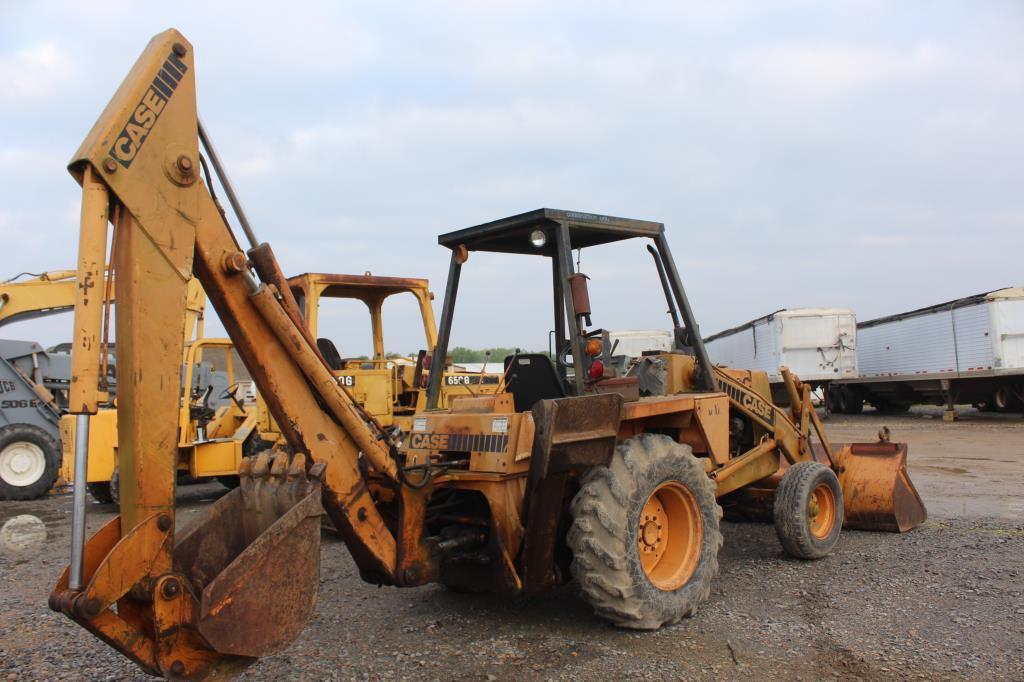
(808, 510)
(115, 487)
(229, 482)
(100, 491)
(645, 534)
(29, 462)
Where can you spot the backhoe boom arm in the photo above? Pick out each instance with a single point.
(140, 162)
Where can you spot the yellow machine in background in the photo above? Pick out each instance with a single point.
(387, 387)
(217, 424)
(34, 383)
(211, 442)
(38, 296)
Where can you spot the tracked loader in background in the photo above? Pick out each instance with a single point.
(570, 469)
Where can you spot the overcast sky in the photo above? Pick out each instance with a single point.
(864, 154)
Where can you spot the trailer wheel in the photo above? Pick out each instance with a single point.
(853, 401)
(837, 400)
(29, 462)
(1004, 400)
(808, 510)
(645, 534)
(100, 491)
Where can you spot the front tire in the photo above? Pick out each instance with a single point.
(29, 462)
(645, 534)
(808, 510)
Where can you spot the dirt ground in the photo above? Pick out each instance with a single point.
(944, 601)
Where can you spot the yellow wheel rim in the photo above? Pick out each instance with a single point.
(821, 511)
(669, 536)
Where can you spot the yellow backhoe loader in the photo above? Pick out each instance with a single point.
(571, 469)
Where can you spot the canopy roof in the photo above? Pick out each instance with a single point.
(512, 235)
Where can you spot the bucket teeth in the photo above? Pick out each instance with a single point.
(272, 483)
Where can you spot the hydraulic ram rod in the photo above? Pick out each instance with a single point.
(225, 182)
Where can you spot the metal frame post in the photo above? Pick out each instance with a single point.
(440, 351)
(563, 245)
(558, 294)
(707, 375)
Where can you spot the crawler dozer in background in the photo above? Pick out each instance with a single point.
(570, 469)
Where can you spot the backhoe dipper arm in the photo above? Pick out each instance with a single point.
(142, 156)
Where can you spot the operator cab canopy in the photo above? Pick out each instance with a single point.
(513, 235)
(555, 233)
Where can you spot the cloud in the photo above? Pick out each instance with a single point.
(34, 73)
(813, 71)
(883, 240)
(398, 131)
(789, 147)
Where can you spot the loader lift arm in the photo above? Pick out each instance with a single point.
(177, 614)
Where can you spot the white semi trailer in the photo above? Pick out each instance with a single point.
(817, 344)
(966, 351)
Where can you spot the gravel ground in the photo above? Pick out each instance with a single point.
(944, 601)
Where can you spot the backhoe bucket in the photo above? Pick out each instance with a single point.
(877, 491)
(254, 556)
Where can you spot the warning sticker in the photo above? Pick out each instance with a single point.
(499, 425)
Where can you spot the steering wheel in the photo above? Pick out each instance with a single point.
(231, 392)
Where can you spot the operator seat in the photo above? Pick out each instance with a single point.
(330, 353)
(532, 377)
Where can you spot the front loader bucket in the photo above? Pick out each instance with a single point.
(254, 556)
(877, 491)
